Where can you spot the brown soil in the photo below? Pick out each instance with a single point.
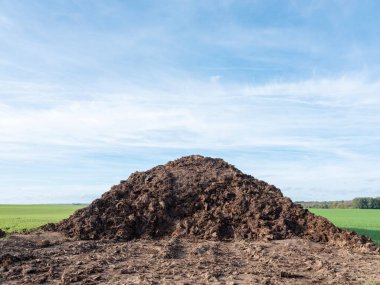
(195, 220)
(51, 258)
(2, 233)
(204, 198)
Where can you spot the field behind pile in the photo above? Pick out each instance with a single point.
(20, 217)
(23, 217)
(362, 221)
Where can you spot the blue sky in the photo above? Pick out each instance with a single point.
(91, 91)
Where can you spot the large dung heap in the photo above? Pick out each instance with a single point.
(204, 198)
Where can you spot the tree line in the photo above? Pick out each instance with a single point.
(366, 203)
(357, 203)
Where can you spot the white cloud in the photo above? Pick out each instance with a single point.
(333, 123)
(344, 90)
(43, 193)
(214, 78)
(189, 115)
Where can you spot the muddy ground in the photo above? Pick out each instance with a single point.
(204, 198)
(194, 220)
(51, 258)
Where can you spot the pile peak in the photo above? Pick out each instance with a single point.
(200, 197)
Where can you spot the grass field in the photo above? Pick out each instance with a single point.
(362, 221)
(20, 217)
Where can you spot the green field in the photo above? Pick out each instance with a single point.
(362, 221)
(21, 217)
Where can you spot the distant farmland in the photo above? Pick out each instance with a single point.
(362, 221)
(22, 217)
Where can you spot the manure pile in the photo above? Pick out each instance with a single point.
(203, 198)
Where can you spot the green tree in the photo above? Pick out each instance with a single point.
(361, 203)
(374, 203)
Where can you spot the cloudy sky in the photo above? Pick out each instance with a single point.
(91, 91)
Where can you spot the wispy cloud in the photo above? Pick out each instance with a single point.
(347, 91)
(321, 119)
(197, 114)
(92, 92)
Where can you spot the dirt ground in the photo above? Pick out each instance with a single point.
(194, 220)
(51, 258)
(204, 198)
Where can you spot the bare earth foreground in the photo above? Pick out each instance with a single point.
(195, 220)
(51, 258)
